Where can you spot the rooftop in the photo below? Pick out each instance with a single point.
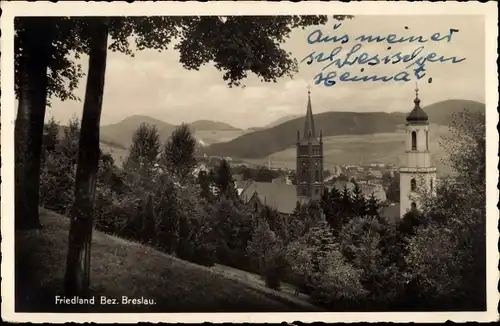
(281, 196)
(417, 115)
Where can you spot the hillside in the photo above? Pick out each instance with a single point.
(262, 143)
(356, 149)
(119, 135)
(280, 121)
(174, 284)
(200, 125)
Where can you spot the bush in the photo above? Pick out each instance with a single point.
(337, 283)
(268, 255)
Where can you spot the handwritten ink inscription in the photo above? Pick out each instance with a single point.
(350, 51)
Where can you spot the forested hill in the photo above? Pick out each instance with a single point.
(265, 142)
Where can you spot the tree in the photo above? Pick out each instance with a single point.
(337, 283)
(36, 39)
(268, 254)
(224, 180)
(299, 258)
(205, 181)
(202, 39)
(80, 233)
(50, 136)
(40, 43)
(275, 221)
(358, 200)
(321, 240)
(140, 164)
(233, 229)
(372, 206)
(57, 178)
(178, 153)
(346, 204)
(334, 213)
(455, 218)
(149, 221)
(393, 193)
(167, 213)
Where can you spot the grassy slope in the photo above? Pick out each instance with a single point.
(123, 268)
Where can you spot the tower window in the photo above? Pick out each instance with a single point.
(413, 184)
(316, 191)
(432, 185)
(427, 140)
(413, 140)
(413, 206)
(317, 176)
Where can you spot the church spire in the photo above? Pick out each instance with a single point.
(309, 131)
(417, 115)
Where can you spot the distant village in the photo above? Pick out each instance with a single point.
(282, 188)
(373, 178)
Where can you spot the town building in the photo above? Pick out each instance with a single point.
(281, 194)
(309, 168)
(417, 175)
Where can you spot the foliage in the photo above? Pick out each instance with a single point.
(57, 175)
(149, 220)
(178, 153)
(167, 215)
(141, 162)
(267, 253)
(195, 228)
(337, 283)
(299, 258)
(259, 174)
(450, 246)
(393, 191)
(205, 181)
(64, 71)
(223, 180)
(232, 231)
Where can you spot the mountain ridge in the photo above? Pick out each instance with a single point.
(262, 143)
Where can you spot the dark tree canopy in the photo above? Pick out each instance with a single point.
(236, 45)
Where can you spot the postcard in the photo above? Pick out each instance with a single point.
(249, 162)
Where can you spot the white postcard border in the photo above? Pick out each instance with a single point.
(80, 8)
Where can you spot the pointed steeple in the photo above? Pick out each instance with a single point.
(309, 131)
(417, 115)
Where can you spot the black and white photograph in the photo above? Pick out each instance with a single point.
(300, 160)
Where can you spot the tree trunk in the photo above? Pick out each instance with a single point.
(77, 278)
(36, 54)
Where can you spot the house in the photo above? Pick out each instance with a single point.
(286, 179)
(280, 196)
(241, 185)
(376, 173)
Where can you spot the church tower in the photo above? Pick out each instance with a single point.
(309, 159)
(417, 175)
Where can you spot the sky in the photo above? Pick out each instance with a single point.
(155, 84)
